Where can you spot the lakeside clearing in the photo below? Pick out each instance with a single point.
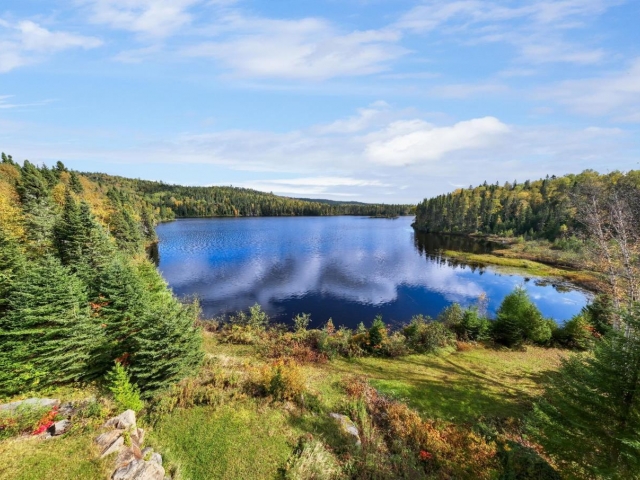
(238, 436)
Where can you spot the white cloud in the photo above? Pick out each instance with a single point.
(417, 141)
(27, 42)
(308, 48)
(534, 27)
(155, 18)
(616, 94)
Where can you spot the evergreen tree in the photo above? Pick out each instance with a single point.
(169, 345)
(122, 301)
(75, 184)
(33, 189)
(11, 261)
(47, 334)
(69, 233)
(519, 321)
(589, 418)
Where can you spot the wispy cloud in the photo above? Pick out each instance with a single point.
(616, 94)
(27, 42)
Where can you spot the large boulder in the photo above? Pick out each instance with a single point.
(347, 427)
(124, 421)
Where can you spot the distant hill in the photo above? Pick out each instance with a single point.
(179, 201)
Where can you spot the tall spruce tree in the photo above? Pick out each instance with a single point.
(169, 345)
(589, 418)
(121, 303)
(34, 191)
(47, 334)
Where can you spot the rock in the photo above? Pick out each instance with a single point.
(128, 471)
(347, 426)
(59, 428)
(110, 442)
(125, 457)
(31, 402)
(137, 437)
(114, 447)
(150, 471)
(147, 451)
(123, 421)
(157, 458)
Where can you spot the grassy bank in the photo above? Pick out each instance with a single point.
(511, 260)
(234, 434)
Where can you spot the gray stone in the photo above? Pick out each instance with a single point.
(59, 428)
(128, 471)
(150, 471)
(157, 458)
(347, 426)
(147, 451)
(125, 420)
(137, 437)
(31, 402)
(114, 447)
(125, 457)
(110, 442)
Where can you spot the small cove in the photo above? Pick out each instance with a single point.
(347, 268)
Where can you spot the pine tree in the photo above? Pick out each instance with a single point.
(519, 321)
(47, 334)
(11, 261)
(69, 233)
(169, 345)
(589, 418)
(123, 299)
(33, 189)
(75, 184)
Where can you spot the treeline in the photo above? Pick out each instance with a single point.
(176, 201)
(535, 209)
(77, 293)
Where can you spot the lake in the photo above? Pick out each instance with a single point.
(346, 268)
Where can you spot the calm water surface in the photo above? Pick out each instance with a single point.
(347, 268)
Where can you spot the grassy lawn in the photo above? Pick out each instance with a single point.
(71, 457)
(461, 386)
(236, 441)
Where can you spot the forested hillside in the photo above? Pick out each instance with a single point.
(76, 290)
(544, 208)
(171, 201)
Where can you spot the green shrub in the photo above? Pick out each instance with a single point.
(519, 321)
(301, 322)
(424, 335)
(125, 394)
(24, 419)
(576, 333)
(282, 380)
(472, 326)
(377, 334)
(451, 315)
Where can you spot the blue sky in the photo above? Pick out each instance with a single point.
(369, 100)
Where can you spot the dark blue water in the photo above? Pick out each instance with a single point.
(346, 268)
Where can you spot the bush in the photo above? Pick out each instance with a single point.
(519, 321)
(424, 335)
(377, 334)
(471, 326)
(301, 322)
(125, 394)
(27, 419)
(522, 463)
(282, 380)
(576, 333)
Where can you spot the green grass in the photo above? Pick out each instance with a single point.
(462, 386)
(585, 279)
(71, 457)
(239, 441)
